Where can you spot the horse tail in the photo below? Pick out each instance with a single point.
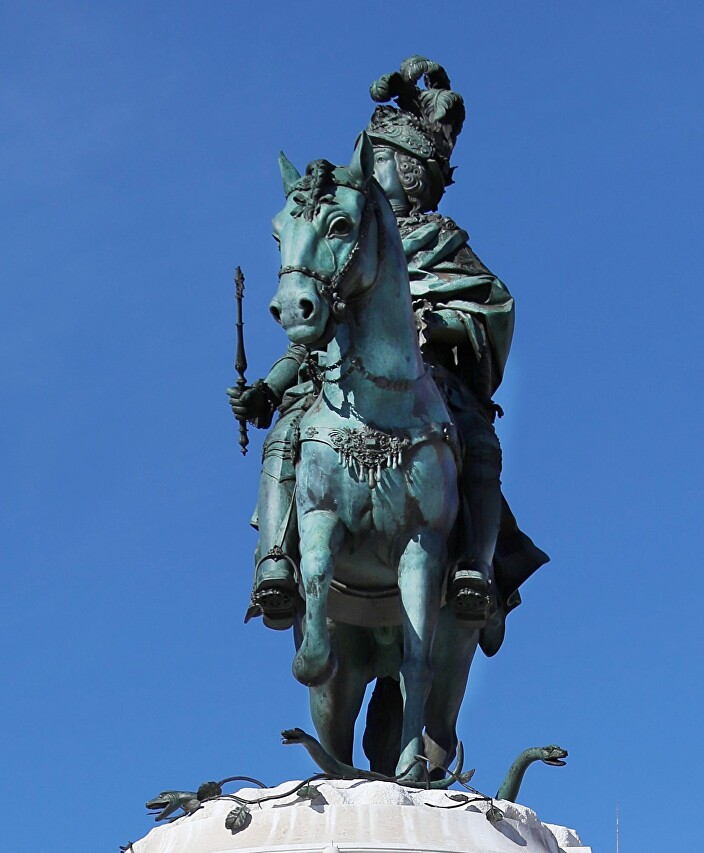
(382, 734)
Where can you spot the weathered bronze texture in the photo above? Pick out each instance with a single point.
(384, 537)
(551, 755)
(240, 358)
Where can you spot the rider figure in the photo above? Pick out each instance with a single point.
(465, 319)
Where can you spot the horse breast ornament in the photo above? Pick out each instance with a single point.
(370, 451)
(385, 541)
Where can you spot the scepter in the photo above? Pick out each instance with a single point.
(240, 358)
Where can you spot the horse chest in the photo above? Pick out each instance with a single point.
(417, 492)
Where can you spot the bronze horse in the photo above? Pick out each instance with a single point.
(376, 472)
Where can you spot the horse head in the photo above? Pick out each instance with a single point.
(328, 235)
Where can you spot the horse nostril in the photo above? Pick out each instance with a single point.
(306, 307)
(275, 312)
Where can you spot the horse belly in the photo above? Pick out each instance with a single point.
(364, 588)
(366, 561)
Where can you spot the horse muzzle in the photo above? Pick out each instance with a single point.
(300, 309)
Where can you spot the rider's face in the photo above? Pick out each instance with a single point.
(386, 173)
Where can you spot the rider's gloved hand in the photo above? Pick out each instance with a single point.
(255, 404)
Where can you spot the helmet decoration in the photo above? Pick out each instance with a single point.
(424, 123)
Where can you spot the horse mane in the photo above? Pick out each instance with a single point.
(314, 189)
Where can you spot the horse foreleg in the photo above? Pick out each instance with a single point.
(420, 574)
(320, 533)
(334, 706)
(453, 650)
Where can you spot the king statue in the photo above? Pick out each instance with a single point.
(319, 543)
(465, 320)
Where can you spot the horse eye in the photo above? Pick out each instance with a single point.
(339, 227)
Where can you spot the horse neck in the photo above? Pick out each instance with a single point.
(381, 330)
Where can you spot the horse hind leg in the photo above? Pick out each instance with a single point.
(321, 533)
(382, 734)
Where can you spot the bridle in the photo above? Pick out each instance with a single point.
(331, 285)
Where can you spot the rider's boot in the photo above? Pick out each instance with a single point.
(471, 590)
(275, 591)
(468, 591)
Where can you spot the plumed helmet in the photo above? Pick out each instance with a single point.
(425, 123)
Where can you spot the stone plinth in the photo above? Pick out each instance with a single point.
(361, 816)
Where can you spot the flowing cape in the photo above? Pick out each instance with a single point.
(444, 270)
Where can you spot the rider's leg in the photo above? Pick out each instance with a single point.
(277, 528)
(469, 588)
(274, 588)
(481, 485)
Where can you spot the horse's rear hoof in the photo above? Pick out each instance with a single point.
(313, 676)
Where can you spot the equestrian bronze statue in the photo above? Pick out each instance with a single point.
(384, 538)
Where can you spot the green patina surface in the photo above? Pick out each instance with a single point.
(384, 538)
(552, 755)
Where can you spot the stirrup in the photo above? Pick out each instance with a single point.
(468, 593)
(275, 597)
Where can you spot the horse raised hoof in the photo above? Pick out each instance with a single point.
(307, 671)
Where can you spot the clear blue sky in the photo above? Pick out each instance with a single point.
(138, 165)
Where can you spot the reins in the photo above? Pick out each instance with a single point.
(318, 374)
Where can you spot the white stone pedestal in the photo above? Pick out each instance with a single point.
(361, 816)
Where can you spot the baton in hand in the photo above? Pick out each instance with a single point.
(240, 358)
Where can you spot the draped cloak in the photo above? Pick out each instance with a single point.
(444, 271)
(445, 274)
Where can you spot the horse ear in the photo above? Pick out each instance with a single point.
(361, 166)
(289, 173)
